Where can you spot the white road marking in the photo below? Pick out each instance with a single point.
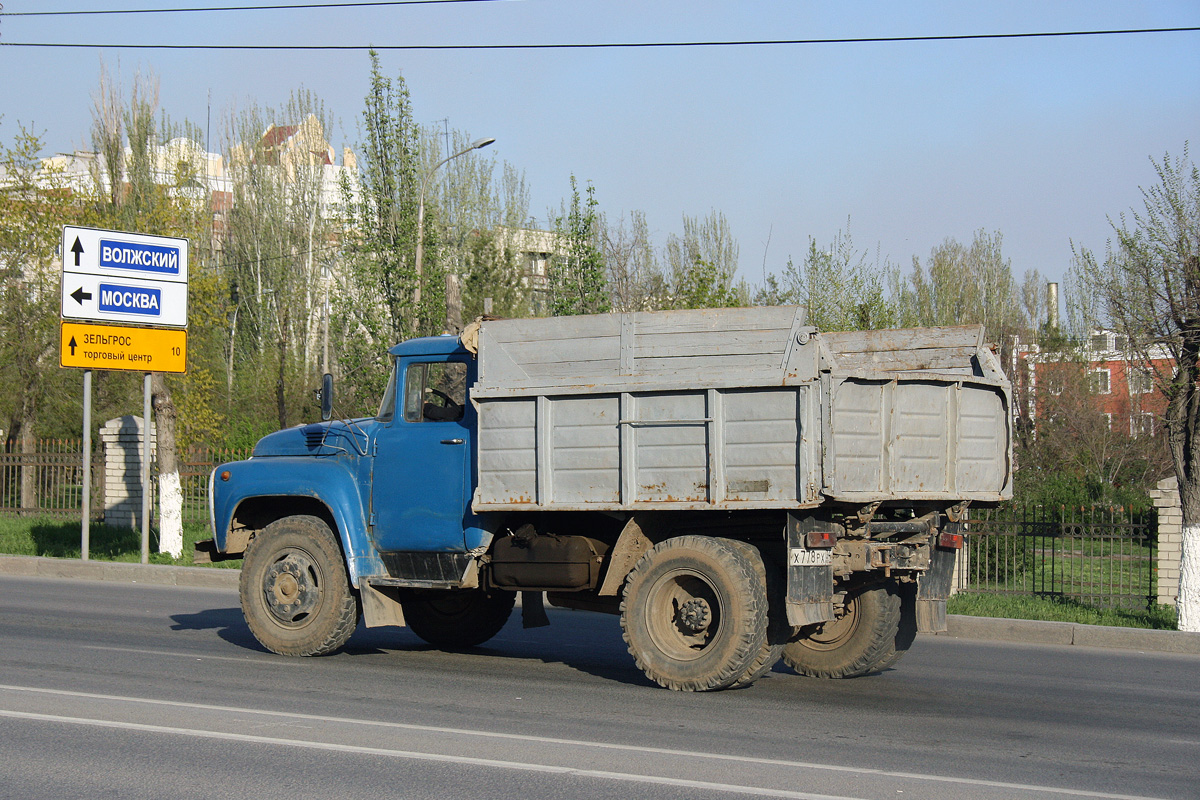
(557, 741)
(267, 657)
(438, 757)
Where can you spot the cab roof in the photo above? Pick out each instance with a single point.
(429, 346)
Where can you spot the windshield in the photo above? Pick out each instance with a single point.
(387, 408)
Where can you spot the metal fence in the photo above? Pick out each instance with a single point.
(195, 465)
(54, 479)
(49, 480)
(1104, 557)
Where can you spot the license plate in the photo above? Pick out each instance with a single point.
(810, 558)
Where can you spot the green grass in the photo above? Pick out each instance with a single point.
(1012, 606)
(1069, 565)
(56, 538)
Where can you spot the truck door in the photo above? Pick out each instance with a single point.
(419, 476)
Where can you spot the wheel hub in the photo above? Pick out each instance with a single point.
(291, 589)
(694, 615)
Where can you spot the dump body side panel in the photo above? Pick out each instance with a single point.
(733, 409)
(927, 438)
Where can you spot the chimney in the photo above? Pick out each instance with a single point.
(1052, 305)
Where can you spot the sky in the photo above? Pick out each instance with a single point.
(903, 144)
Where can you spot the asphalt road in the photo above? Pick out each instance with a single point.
(134, 691)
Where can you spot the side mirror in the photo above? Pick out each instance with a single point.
(326, 397)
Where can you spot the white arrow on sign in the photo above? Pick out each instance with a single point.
(96, 297)
(119, 254)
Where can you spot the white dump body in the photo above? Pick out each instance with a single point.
(734, 409)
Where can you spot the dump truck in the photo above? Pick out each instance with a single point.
(737, 486)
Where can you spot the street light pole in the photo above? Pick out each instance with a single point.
(453, 314)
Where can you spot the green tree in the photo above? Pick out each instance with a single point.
(479, 220)
(492, 273)
(142, 185)
(963, 284)
(1078, 454)
(1148, 284)
(381, 298)
(34, 205)
(577, 271)
(840, 285)
(702, 264)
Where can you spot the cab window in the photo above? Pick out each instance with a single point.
(435, 392)
(387, 408)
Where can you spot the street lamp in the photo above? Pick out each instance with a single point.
(451, 280)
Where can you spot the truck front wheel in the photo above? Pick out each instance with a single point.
(861, 641)
(457, 619)
(695, 613)
(294, 589)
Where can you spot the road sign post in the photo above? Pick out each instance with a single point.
(124, 307)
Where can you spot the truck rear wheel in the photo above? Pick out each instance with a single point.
(457, 619)
(294, 589)
(861, 641)
(778, 629)
(694, 613)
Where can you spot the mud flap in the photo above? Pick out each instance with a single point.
(809, 575)
(380, 605)
(533, 610)
(933, 587)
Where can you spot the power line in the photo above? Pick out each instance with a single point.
(289, 6)
(610, 45)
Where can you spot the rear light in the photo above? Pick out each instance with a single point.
(950, 541)
(820, 538)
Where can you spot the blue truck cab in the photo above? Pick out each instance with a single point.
(390, 494)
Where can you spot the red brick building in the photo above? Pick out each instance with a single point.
(1122, 386)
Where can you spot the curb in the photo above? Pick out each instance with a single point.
(959, 627)
(119, 571)
(1070, 633)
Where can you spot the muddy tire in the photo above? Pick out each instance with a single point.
(862, 641)
(906, 633)
(294, 590)
(779, 632)
(456, 620)
(694, 613)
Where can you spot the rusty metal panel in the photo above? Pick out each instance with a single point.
(585, 456)
(507, 451)
(670, 446)
(982, 451)
(921, 441)
(926, 437)
(617, 351)
(858, 437)
(761, 444)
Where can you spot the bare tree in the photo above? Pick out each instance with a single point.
(634, 278)
(278, 240)
(1149, 284)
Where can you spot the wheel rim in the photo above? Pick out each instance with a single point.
(833, 634)
(683, 614)
(292, 588)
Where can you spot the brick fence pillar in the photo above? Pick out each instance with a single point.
(122, 440)
(1170, 539)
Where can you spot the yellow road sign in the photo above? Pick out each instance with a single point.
(123, 347)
